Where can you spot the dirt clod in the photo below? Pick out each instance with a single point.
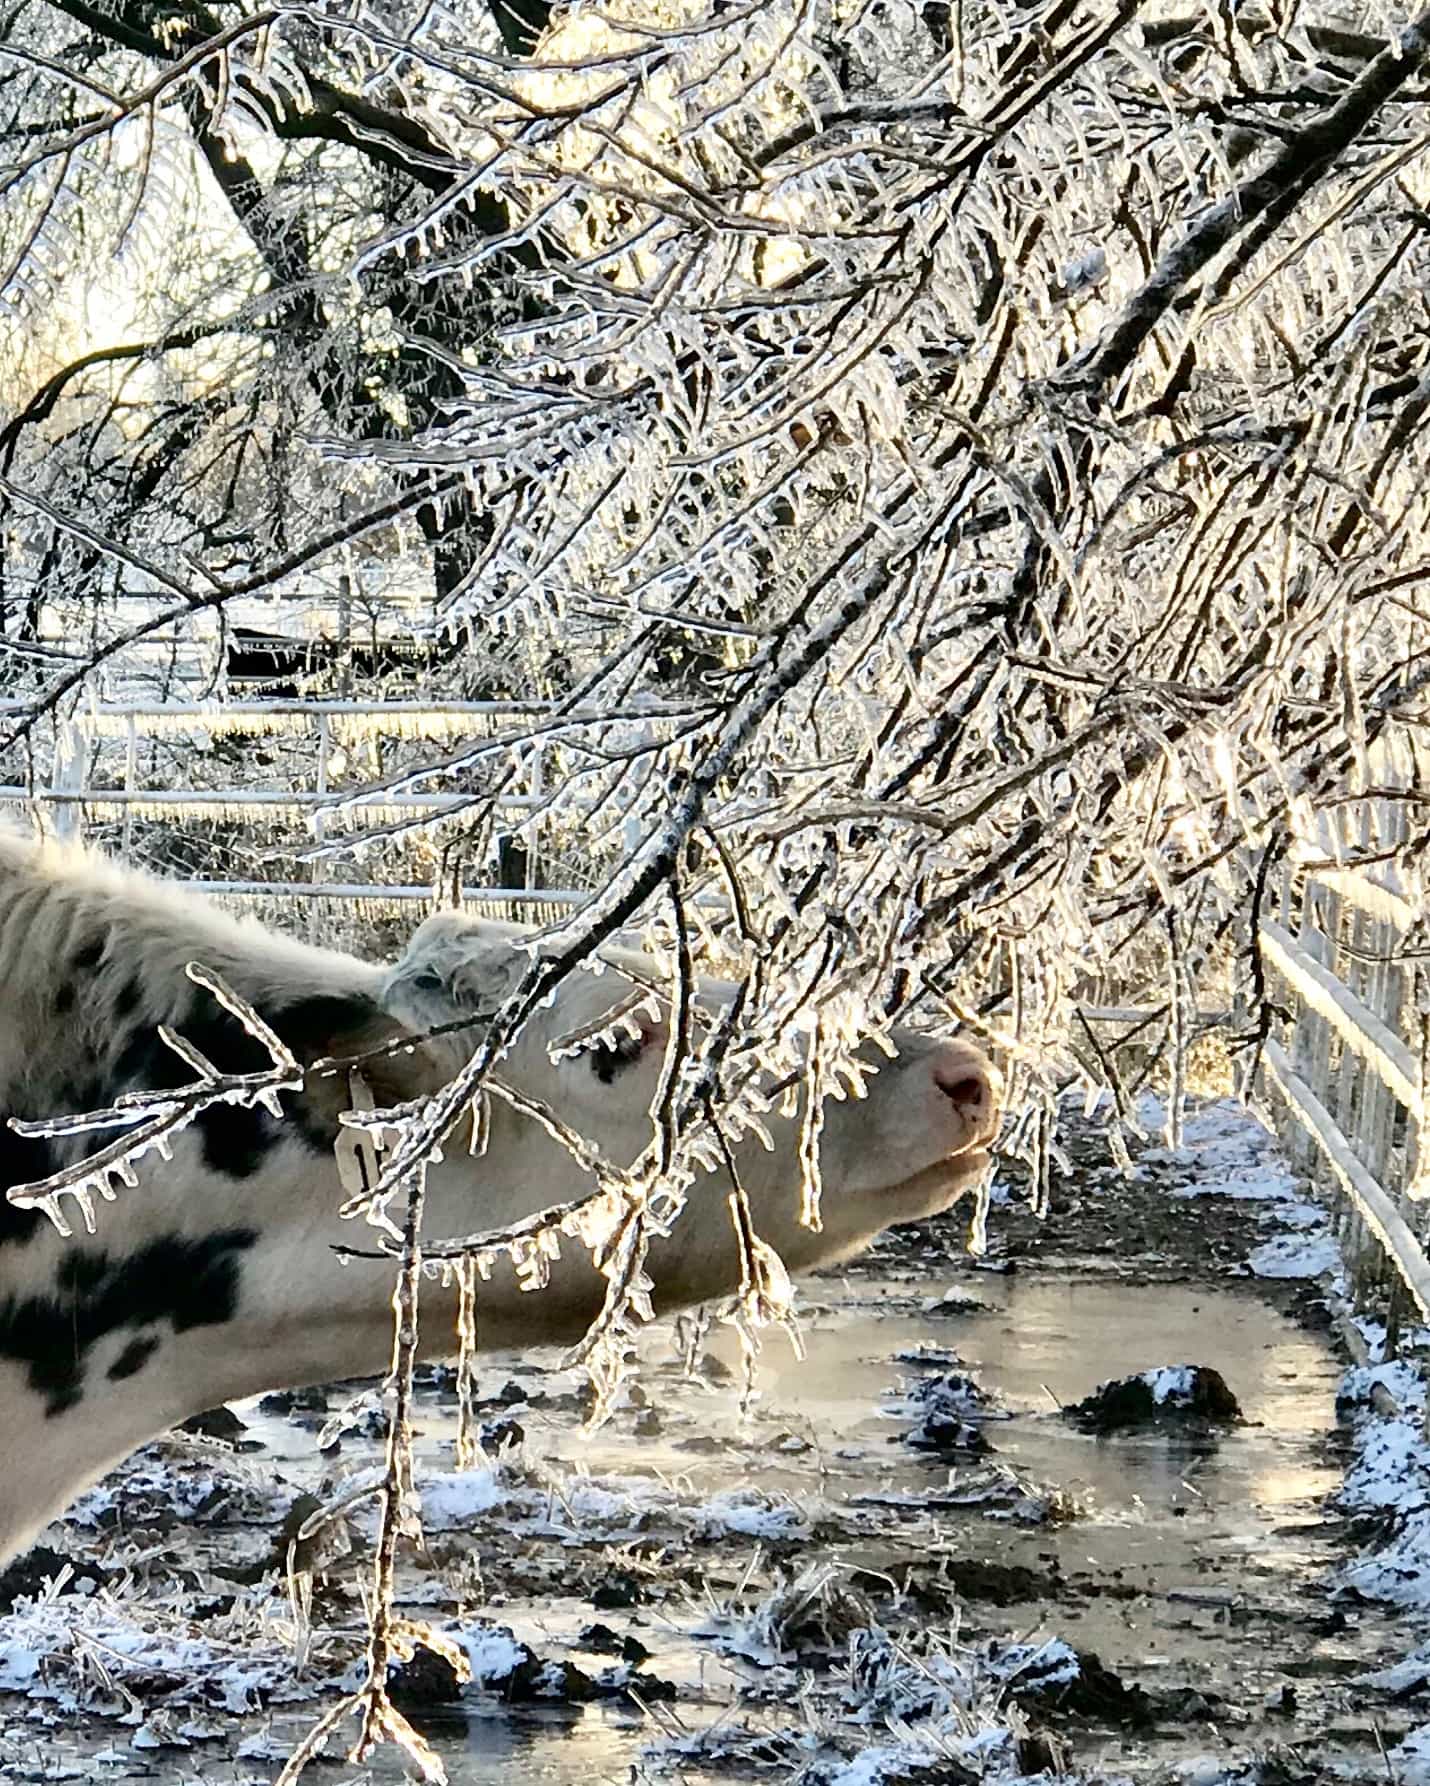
(428, 1679)
(937, 1589)
(1180, 1395)
(501, 1435)
(601, 1640)
(215, 1423)
(312, 1400)
(946, 1433)
(1040, 1752)
(616, 1592)
(1095, 1692)
(25, 1578)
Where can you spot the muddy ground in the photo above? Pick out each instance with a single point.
(902, 1562)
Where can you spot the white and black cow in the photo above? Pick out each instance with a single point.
(216, 1277)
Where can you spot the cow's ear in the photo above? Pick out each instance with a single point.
(396, 1065)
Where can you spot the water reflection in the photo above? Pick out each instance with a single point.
(1177, 1536)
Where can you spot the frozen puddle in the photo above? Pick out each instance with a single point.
(1182, 1564)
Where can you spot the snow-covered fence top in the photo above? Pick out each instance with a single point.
(1349, 1070)
(344, 720)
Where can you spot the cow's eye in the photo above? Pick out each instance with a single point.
(428, 981)
(609, 1058)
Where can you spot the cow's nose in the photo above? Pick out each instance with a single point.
(973, 1085)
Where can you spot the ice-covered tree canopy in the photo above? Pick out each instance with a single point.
(947, 478)
(939, 489)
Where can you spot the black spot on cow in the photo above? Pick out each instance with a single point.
(23, 1159)
(88, 957)
(64, 998)
(610, 1059)
(310, 1025)
(134, 1357)
(79, 1094)
(188, 1283)
(237, 1139)
(126, 1001)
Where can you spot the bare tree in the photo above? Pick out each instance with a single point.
(954, 471)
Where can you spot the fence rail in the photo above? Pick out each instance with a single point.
(95, 775)
(1347, 1074)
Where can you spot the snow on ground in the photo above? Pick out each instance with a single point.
(1172, 1383)
(1296, 1255)
(1225, 1152)
(491, 1650)
(1409, 1760)
(1389, 1477)
(747, 1513)
(188, 1480)
(888, 1712)
(451, 1502)
(97, 1653)
(578, 1508)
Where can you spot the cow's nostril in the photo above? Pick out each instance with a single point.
(967, 1091)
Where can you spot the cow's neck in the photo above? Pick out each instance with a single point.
(211, 1278)
(197, 1290)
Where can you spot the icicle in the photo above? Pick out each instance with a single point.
(481, 1120)
(811, 1128)
(978, 1224)
(468, 1441)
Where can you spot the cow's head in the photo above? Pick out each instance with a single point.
(594, 1056)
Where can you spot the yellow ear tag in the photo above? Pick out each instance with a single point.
(356, 1150)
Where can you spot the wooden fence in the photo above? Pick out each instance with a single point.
(1346, 1077)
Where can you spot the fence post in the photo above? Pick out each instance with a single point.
(131, 770)
(1303, 1029)
(318, 869)
(67, 776)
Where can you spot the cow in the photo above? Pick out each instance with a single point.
(218, 1275)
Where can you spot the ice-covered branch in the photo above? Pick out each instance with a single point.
(151, 1120)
